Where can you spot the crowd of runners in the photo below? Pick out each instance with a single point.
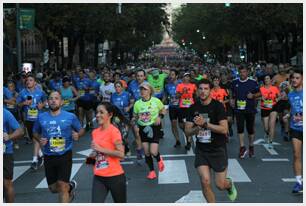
(51, 110)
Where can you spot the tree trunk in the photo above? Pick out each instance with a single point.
(81, 50)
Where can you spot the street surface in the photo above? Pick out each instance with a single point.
(268, 177)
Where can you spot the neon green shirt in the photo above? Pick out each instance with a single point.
(157, 84)
(148, 111)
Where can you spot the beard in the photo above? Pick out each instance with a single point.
(54, 108)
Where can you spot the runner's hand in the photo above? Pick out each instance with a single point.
(250, 95)
(199, 120)
(75, 135)
(158, 121)
(6, 137)
(96, 147)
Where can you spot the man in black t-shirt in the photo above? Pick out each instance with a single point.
(207, 120)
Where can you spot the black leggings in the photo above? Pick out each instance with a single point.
(102, 185)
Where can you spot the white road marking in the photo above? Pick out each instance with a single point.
(271, 151)
(275, 160)
(194, 196)
(236, 172)
(288, 179)
(18, 171)
(85, 152)
(74, 170)
(258, 141)
(175, 172)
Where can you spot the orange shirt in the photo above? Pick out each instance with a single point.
(124, 84)
(186, 91)
(218, 94)
(107, 166)
(278, 79)
(270, 94)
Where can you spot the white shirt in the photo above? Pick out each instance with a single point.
(106, 91)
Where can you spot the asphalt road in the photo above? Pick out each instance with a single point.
(267, 177)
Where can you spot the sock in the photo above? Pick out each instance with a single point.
(149, 161)
(157, 157)
(40, 154)
(35, 159)
(299, 179)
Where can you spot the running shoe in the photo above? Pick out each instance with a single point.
(151, 175)
(297, 188)
(270, 145)
(34, 166)
(177, 144)
(40, 161)
(266, 138)
(161, 165)
(232, 192)
(251, 151)
(188, 146)
(242, 153)
(73, 185)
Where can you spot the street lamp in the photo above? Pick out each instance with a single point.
(203, 37)
(190, 43)
(198, 30)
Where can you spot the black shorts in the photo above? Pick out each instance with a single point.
(229, 111)
(8, 166)
(157, 133)
(87, 105)
(58, 167)
(266, 112)
(214, 157)
(29, 125)
(249, 118)
(296, 134)
(183, 112)
(174, 113)
(282, 105)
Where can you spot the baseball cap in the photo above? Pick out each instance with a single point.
(145, 85)
(186, 73)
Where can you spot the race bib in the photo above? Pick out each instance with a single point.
(145, 117)
(241, 104)
(32, 113)
(174, 101)
(186, 102)
(81, 92)
(298, 123)
(66, 102)
(204, 136)
(101, 161)
(57, 144)
(92, 92)
(268, 103)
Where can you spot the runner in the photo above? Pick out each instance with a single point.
(244, 94)
(269, 98)
(281, 80)
(108, 151)
(296, 127)
(11, 132)
(148, 112)
(32, 100)
(185, 91)
(69, 95)
(134, 90)
(56, 130)
(170, 90)
(207, 120)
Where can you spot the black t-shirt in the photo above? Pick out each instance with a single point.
(216, 113)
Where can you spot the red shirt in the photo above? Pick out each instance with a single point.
(269, 94)
(186, 91)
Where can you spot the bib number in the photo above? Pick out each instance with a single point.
(241, 104)
(82, 92)
(57, 144)
(32, 113)
(186, 102)
(204, 136)
(101, 161)
(66, 102)
(145, 117)
(268, 103)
